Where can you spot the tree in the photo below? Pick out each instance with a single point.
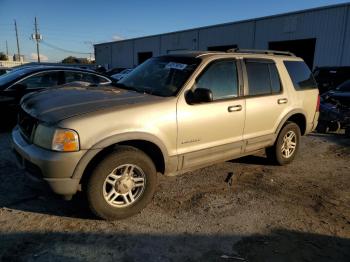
(70, 60)
(75, 60)
(3, 56)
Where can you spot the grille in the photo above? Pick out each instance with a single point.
(27, 124)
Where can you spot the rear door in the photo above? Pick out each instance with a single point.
(266, 102)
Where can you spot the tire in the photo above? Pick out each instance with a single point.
(278, 152)
(122, 184)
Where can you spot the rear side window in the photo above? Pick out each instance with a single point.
(300, 74)
(263, 78)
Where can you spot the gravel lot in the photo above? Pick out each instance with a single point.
(299, 212)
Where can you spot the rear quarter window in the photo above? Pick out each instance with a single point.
(300, 75)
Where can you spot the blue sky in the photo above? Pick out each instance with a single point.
(76, 24)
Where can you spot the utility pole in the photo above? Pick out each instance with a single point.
(7, 50)
(18, 52)
(37, 39)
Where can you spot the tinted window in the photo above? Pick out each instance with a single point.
(263, 78)
(221, 79)
(44, 79)
(85, 77)
(91, 78)
(300, 75)
(275, 79)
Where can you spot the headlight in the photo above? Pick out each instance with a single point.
(58, 139)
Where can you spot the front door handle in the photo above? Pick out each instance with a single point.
(234, 108)
(282, 101)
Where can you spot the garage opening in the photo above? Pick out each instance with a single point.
(221, 48)
(304, 48)
(143, 56)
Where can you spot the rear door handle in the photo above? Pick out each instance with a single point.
(282, 101)
(234, 108)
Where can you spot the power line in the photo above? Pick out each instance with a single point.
(63, 50)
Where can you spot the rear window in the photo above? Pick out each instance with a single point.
(300, 75)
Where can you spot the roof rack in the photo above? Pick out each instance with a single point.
(266, 52)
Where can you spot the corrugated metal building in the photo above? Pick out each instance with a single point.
(320, 35)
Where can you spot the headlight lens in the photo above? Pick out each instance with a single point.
(58, 139)
(65, 140)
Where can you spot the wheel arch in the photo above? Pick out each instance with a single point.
(149, 144)
(297, 116)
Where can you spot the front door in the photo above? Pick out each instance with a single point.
(212, 131)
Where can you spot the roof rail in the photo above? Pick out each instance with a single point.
(254, 51)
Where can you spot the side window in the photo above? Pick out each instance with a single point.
(300, 74)
(45, 79)
(221, 78)
(85, 77)
(71, 76)
(275, 79)
(263, 78)
(94, 79)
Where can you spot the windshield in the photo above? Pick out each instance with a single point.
(161, 76)
(13, 75)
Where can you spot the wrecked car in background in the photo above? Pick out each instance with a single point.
(335, 110)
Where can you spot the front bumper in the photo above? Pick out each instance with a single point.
(56, 168)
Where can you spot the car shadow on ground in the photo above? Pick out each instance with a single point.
(39, 199)
(279, 245)
(254, 160)
(337, 138)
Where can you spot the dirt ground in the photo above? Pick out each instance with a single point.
(299, 212)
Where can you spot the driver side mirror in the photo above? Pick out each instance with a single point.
(199, 95)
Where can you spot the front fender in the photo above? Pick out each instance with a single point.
(115, 139)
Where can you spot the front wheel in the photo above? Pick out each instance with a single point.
(286, 146)
(122, 184)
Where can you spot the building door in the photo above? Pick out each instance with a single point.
(304, 48)
(143, 56)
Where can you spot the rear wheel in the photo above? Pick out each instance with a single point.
(122, 184)
(286, 145)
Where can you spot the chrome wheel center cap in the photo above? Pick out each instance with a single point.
(124, 185)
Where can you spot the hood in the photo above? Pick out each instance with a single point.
(55, 105)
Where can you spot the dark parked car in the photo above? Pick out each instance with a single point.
(15, 84)
(329, 78)
(4, 70)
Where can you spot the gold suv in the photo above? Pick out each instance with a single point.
(170, 115)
